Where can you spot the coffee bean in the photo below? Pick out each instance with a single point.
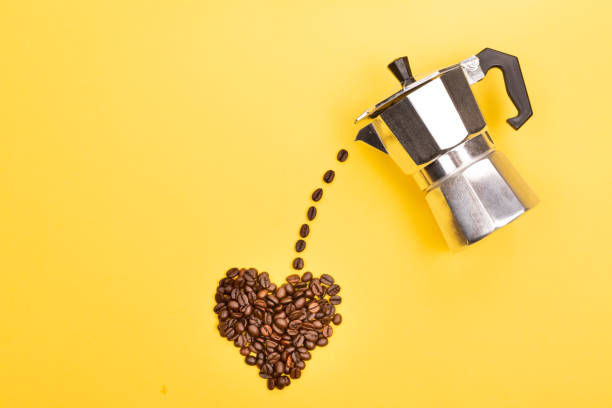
(298, 340)
(266, 330)
(335, 300)
(293, 278)
(270, 383)
(322, 342)
(231, 273)
(313, 307)
(223, 315)
(304, 230)
(306, 276)
(298, 263)
(327, 279)
(342, 155)
(219, 307)
(311, 335)
(327, 331)
(281, 292)
(279, 368)
(328, 177)
(337, 319)
(289, 288)
(250, 360)
(264, 280)
(273, 357)
(333, 290)
(295, 373)
(317, 194)
(300, 245)
(299, 302)
(311, 213)
(232, 304)
(316, 288)
(253, 330)
(282, 323)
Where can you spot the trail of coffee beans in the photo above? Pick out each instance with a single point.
(276, 327)
(311, 213)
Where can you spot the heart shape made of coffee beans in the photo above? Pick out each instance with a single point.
(276, 327)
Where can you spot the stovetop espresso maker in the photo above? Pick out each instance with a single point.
(434, 130)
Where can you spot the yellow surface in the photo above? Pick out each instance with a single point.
(148, 146)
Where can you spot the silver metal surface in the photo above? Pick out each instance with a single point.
(471, 69)
(434, 106)
(457, 159)
(476, 201)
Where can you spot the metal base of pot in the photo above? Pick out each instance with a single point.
(473, 191)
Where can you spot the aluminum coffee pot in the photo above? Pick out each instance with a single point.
(434, 130)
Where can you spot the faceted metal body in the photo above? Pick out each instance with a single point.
(434, 130)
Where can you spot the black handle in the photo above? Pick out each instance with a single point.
(513, 78)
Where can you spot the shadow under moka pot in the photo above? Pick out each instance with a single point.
(433, 129)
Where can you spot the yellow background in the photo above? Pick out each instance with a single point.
(146, 147)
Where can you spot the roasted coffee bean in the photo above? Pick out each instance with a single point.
(250, 360)
(219, 307)
(333, 290)
(264, 280)
(317, 324)
(260, 304)
(311, 335)
(327, 331)
(342, 155)
(295, 373)
(270, 383)
(309, 344)
(245, 351)
(298, 315)
(305, 355)
(282, 323)
(316, 287)
(313, 307)
(289, 289)
(273, 300)
(317, 194)
(322, 342)
(286, 300)
(328, 177)
(299, 302)
(279, 367)
(232, 273)
(304, 230)
(253, 330)
(293, 278)
(327, 279)
(298, 340)
(273, 357)
(337, 319)
(311, 213)
(271, 344)
(275, 336)
(335, 300)
(300, 245)
(292, 332)
(281, 292)
(298, 263)
(266, 330)
(306, 276)
(232, 304)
